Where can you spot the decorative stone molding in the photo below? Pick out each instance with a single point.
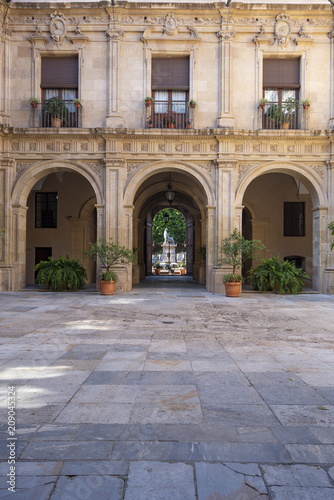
(57, 27)
(21, 167)
(262, 36)
(96, 167)
(302, 37)
(169, 30)
(282, 30)
(38, 35)
(319, 169)
(244, 169)
(226, 34)
(113, 34)
(170, 24)
(131, 167)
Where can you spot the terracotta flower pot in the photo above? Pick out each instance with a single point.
(34, 104)
(306, 106)
(262, 106)
(232, 288)
(183, 272)
(107, 287)
(285, 125)
(148, 104)
(171, 125)
(78, 105)
(157, 272)
(56, 122)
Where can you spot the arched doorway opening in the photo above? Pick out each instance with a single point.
(190, 200)
(60, 221)
(281, 208)
(54, 213)
(169, 240)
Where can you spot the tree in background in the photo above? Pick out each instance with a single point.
(176, 227)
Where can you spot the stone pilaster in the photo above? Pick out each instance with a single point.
(320, 246)
(6, 240)
(211, 247)
(225, 116)
(329, 272)
(116, 226)
(115, 36)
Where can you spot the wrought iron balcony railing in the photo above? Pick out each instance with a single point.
(281, 116)
(67, 115)
(170, 119)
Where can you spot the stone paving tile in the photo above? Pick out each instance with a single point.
(36, 492)
(311, 453)
(284, 388)
(295, 475)
(242, 415)
(167, 365)
(95, 468)
(256, 435)
(166, 413)
(56, 432)
(160, 481)
(147, 450)
(205, 380)
(100, 413)
(295, 493)
(304, 415)
(244, 452)
(88, 487)
(166, 378)
(52, 450)
(198, 432)
(324, 435)
(215, 400)
(117, 432)
(217, 481)
(295, 435)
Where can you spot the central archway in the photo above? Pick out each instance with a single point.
(146, 193)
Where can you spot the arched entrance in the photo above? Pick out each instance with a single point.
(54, 214)
(192, 196)
(285, 212)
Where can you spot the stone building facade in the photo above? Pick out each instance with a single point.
(104, 169)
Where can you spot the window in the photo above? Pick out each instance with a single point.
(294, 218)
(170, 88)
(59, 78)
(281, 89)
(46, 210)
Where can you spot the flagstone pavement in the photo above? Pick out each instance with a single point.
(166, 393)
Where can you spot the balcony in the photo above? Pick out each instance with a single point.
(64, 115)
(169, 114)
(288, 115)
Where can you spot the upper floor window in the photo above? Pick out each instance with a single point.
(281, 89)
(59, 79)
(46, 210)
(170, 89)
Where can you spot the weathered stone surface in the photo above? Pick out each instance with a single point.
(139, 450)
(295, 475)
(160, 481)
(86, 487)
(216, 481)
(244, 452)
(311, 453)
(51, 450)
(294, 493)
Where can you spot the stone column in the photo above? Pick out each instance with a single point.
(80, 242)
(190, 248)
(225, 103)
(6, 240)
(320, 247)
(149, 244)
(4, 70)
(211, 248)
(226, 218)
(329, 272)
(138, 254)
(114, 186)
(115, 36)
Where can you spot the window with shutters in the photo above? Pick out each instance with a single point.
(170, 89)
(46, 210)
(281, 89)
(294, 218)
(59, 79)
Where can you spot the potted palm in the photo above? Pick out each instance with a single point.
(56, 111)
(235, 250)
(108, 254)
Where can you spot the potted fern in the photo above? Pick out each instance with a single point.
(109, 254)
(61, 274)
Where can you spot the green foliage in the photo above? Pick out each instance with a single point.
(157, 265)
(232, 278)
(109, 253)
(61, 274)
(176, 227)
(202, 252)
(283, 113)
(183, 265)
(55, 108)
(236, 249)
(278, 276)
(330, 227)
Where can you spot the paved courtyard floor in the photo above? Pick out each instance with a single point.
(167, 393)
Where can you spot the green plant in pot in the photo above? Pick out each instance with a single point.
(235, 250)
(109, 254)
(157, 268)
(55, 111)
(61, 274)
(183, 267)
(331, 228)
(283, 277)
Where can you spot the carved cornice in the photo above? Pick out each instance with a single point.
(169, 30)
(226, 34)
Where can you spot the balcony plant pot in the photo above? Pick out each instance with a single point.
(34, 104)
(107, 287)
(171, 125)
(285, 125)
(306, 106)
(149, 101)
(56, 122)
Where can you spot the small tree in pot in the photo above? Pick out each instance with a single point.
(109, 254)
(234, 251)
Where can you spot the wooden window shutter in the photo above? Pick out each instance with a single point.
(59, 72)
(170, 73)
(281, 73)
